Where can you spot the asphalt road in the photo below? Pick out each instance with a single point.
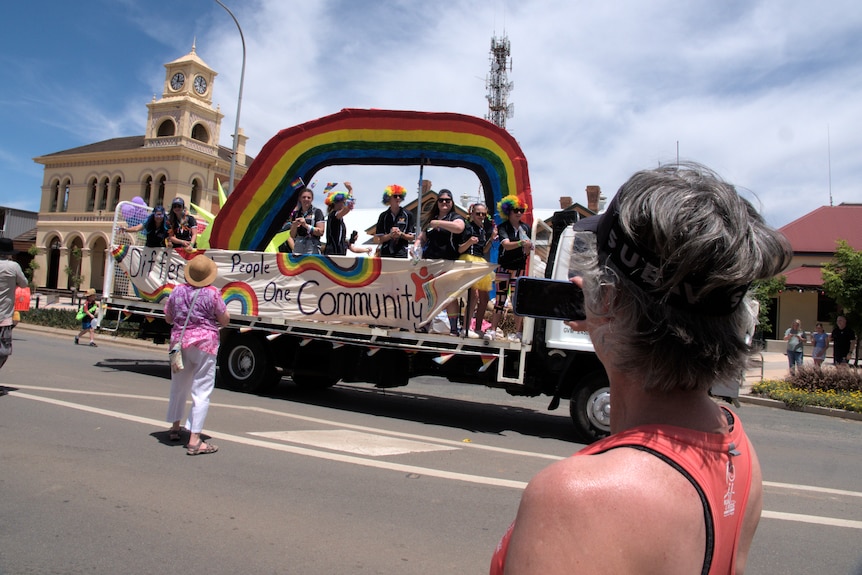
(417, 480)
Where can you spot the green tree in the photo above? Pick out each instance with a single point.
(32, 266)
(74, 272)
(764, 291)
(842, 281)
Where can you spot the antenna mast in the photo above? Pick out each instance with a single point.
(498, 85)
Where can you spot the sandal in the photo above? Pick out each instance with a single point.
(202, 448)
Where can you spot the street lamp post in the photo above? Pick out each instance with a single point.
(238, 101)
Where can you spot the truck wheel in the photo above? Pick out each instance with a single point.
(590, 407)
(311, 381)
(245, 365)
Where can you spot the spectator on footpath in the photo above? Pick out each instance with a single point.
(820, 339)
(795, 337)
(11, 277)
(676, 487)
(843, 341)
(87, 314)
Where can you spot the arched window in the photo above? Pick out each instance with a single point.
(161, 196)
(196, 192)
(115, 198)
(148, 189)
(55, 196)
(66, 185)
(103, 195)
(91, 195)
(166, 128)
(199, 133)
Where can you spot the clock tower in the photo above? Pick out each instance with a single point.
(184, 115)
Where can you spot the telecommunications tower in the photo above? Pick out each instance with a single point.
(498, 85)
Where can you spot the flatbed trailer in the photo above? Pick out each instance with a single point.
(269, 338)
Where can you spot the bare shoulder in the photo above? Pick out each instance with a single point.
(616, 512)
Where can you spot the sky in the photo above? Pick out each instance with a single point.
(766, 93)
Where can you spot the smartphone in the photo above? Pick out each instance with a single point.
(548, 299)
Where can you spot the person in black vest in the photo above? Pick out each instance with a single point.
(307, 224)
(439, 240)
(396, 227)
(338, 204)
(515, 246)
(479, 236)
(155, 228)
(182, 226)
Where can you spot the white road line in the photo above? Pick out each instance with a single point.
(426, 471)
(812, 488)
(356, 442)
(463, 443)
(831, 521)
(414, 469)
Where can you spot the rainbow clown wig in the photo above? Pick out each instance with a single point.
(509, 203)
(393, 190)
(335, 196)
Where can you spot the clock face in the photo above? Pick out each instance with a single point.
(178, 80)
(200, 84)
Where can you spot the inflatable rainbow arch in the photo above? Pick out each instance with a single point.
(264, 198)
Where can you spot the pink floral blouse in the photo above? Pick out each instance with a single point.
(203, 327)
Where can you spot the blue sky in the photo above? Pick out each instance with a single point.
(767, 93)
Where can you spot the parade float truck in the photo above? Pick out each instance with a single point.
(321, 319)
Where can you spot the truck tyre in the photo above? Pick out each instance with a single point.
(245, 365)
(590, 407)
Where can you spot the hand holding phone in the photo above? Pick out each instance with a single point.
(548, 299)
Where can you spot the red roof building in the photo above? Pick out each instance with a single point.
(814, 238)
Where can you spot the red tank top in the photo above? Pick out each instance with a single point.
(718, 467)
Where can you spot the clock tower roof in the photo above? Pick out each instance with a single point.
(190, 57)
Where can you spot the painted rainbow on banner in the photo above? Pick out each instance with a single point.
(243, 293)
(262, 201)
(361, 272)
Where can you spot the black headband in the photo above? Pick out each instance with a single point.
(641, 266)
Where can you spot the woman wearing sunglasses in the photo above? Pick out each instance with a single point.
(439, 240)
(476, 242)
(515, 245)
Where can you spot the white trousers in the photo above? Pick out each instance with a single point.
(196, 379)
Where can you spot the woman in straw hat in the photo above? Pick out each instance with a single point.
(202, 304)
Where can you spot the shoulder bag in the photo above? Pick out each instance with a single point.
(176, 352)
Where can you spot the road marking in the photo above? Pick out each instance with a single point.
(831, 521)
(309, 419)
(354, 442)
(414, 469)
(391, 466)
(812, 488)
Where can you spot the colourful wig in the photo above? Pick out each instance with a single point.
(509, 203)
(337, 196)
(393, 190)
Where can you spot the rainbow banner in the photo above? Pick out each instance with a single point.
(263, 199)
(276, 286)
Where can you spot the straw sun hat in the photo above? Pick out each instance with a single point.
(201, 271)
